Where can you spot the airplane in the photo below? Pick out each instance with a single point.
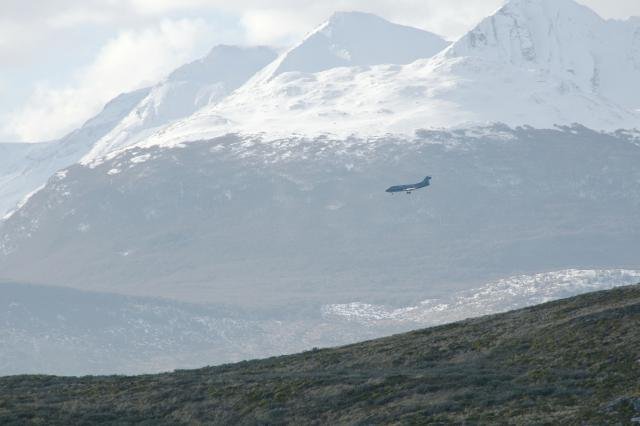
(410, 188)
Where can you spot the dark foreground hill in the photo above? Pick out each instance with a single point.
(576, 361)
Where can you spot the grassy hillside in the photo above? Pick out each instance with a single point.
(575, 361)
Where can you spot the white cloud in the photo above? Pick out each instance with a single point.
(34, 24)
(275, 27)
(15, 42)
(280, 20)
(448, 17)
(272, 20)
(73, 17)
(130, 61)
(150, 7)
(618, 9)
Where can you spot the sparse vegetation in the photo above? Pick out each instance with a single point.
(575, 361)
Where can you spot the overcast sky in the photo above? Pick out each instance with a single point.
(61, 60)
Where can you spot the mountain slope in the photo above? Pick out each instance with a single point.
(356, 39)
(563, 39)
(534, 62)
(347, 39)
(14, 159)
(128, 118)
(569, 362)
(24, 168)
(247, 221)
(189, 88)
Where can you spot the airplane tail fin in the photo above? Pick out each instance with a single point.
(427, 179)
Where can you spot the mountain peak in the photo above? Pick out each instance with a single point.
(357, 39)
(559, 36)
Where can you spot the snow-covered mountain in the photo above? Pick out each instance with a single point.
(129, 117)
(24, 168)
(347, 39)
(186, 90)
(564, 40)
(14, 159)
(534, 62)
(350, 39)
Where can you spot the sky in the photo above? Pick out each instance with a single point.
(62, 60)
